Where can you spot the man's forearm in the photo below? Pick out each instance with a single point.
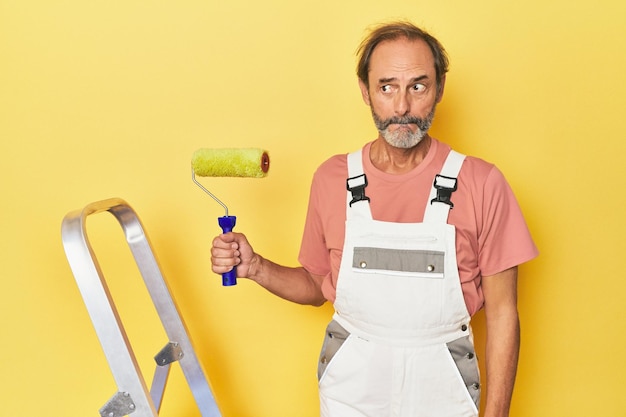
(503, 340)
(502, 353)
(293, 284)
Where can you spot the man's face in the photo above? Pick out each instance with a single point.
(402, 92)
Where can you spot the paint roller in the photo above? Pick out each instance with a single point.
(250, 162)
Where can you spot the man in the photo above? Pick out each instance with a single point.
(422, 239)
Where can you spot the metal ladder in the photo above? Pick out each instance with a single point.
(133, 395)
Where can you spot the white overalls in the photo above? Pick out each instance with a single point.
(400, 343)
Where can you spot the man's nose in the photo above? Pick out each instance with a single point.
(402, 104)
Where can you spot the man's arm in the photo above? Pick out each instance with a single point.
(503, 340)
(293, 284)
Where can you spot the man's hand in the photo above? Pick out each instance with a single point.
(232, 250)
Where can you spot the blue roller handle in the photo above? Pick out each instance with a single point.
(227, 223)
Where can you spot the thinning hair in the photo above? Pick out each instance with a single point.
(397, 30)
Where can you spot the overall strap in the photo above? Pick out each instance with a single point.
(440, 203)
(357, 204)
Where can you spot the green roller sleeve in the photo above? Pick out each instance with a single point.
(250, 162)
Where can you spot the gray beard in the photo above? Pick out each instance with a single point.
(404, 139)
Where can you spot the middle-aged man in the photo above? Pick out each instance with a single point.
(408, 239)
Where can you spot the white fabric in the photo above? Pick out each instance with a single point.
(355, 168)
(439, 212)
(395, 363)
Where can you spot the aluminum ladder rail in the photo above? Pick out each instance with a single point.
(133, 395)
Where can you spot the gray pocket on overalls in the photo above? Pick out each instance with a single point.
(333, 340)
(463, 354)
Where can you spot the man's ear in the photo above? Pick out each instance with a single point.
(440, 89)
(364, 92)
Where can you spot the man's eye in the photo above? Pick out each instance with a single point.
(419, 87)
(385, 88)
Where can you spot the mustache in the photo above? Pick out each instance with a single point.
(402, 120)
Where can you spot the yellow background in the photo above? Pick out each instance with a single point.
(103, 99)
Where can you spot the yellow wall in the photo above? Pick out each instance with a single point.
(104, 99)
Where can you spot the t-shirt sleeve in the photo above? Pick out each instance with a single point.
(504, 239)
(314, 255)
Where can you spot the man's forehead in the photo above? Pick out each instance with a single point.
(401, 55)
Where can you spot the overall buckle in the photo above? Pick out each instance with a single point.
(356, 185)
(445, 186)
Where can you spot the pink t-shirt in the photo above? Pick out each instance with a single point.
(491, 234)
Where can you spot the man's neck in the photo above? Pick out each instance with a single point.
(392, 160)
